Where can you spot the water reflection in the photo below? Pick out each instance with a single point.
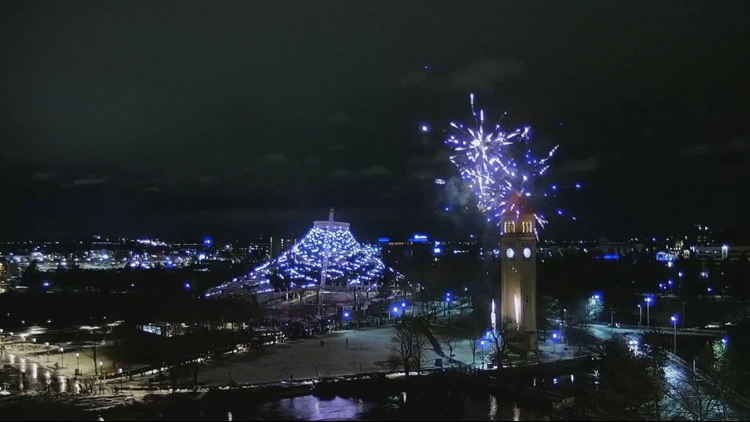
(493, 408)
(313, 409)
(21, 375)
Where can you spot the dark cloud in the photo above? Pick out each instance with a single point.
(205, 180)
(270, 160)
(90, 181)
(441, 157)
(422, 174)
(313, 162)
(306, 97)
(339, 118)
(735, 145)
(375, 171)
(340, 174)
(586, 165)
(42, 176)
(483, 75)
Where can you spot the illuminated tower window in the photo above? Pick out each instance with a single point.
(527, 227)
(510, 227)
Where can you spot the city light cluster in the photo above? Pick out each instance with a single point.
(499, 164)
(349, 264)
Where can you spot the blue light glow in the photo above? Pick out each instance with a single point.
(437, 250)
(349, 263)
(187, 286)
(207, 241)
(383, 240)
(45, 284)
(611, 257)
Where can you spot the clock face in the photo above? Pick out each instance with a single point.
(527, 253)
(510, 253)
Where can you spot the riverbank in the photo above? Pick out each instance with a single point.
(444, 395)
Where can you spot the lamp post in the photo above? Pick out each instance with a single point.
(448, 303)
(648, 311)
(46, 344)
(78, 364)
(683, 315)
(62, 358)
(392, 311)
(119, 372)
(674, 322)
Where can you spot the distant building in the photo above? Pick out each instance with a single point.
(720, 253)
(3, 271)
(280, 244)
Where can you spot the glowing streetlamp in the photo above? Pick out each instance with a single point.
(78, 363)
(46, 344)
(62, 357)
(391, 311)
(119, 372)
(648, 310)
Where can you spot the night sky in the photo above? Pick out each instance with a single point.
(181, 119)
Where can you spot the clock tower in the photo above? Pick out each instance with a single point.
(517, 295)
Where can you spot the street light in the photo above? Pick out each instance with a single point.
(46, 344)
(674, 322)
(724, 341)
(448, 303)
(119, 371)
(62, 358)
(648, 310)
(392, 311)
(78, 363)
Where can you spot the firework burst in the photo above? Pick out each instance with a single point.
(499, 164)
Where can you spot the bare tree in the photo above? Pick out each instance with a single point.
(451, 343)
(503, 340)
(419, 347)
(402, 344)
(474, 345)
(691, 401)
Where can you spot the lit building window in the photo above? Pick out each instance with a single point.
(527, 227)
(510, 227)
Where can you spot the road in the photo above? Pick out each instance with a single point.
(680, 379)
